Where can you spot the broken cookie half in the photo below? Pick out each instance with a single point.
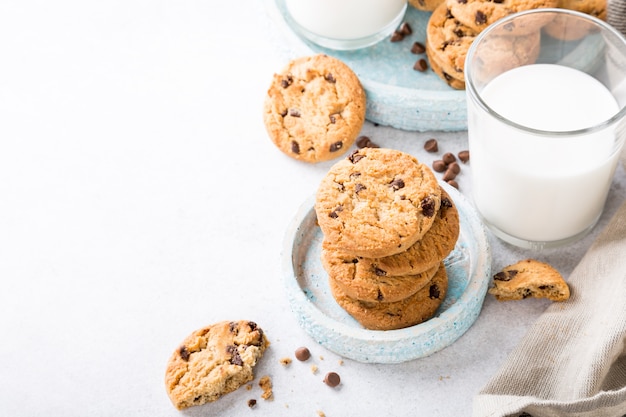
(529, 278)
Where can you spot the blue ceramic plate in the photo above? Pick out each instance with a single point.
(306, 282)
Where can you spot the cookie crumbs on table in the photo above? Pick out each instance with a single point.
(266, 385)
(285, 361)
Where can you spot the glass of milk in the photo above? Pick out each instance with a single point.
(546, 99)
(345, 24)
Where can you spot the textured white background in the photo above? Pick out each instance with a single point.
(140, 199)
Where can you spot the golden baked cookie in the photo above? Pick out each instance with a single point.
(425, 254)
(314, 108)
(413, 310)
(214, 361)
(529, 278)
(435, 66)
(478, 14)
(559, 29)
(377, 202)
(372, 288)
(425, 5)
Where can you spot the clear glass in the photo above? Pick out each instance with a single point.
(546, 94)
(345, 24)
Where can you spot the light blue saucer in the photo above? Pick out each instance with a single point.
(306, 283)
(397, 95)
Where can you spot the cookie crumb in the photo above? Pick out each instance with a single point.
(285, 361)
(314, 369)
(266, 385)
(320, 413)
(249, 387)
(251, 403)
(340, 362)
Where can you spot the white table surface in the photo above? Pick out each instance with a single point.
(140, 199)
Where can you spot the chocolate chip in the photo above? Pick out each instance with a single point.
(295, 147)
(332, 379)
(380, 296)
(329, 77)
(397, 184)
(439, 165)
(294, 113)
(303, 354)
(365, 142)
(235, 358)
(433, 292)
(379, 272)
(355, 157)
(287, 81)
(184, 353)
(464, 156)
(405, 29)
(428, 207)
(448, 158)
(232, 327)
(252, 325)
(332, 118)
(396, 36)
(336, 146)
(251, 403)
(431, 145)
(335, 213)
(454, 167)
(449, 175)
(283, 113)
(358, 188)
(453, 183)
(446, 203)
(505, 275)
(418, 48)
(420, 65)
(480, 18)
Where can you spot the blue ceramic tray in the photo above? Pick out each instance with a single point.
(306, 282)
(397, 95)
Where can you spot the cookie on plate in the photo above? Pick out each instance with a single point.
(559, 29)
(314, 108)
(478, 14)
(426, 5)
(529, 278)
(213, 361)
(377, 202)
(410, 311)
(425, 254)
(456, 83)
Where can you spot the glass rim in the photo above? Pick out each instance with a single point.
(472, 91)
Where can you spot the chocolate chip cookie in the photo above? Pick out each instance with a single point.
(529, 278)
(410, 311)
(377, 202)
(314, 108)
(213, 361)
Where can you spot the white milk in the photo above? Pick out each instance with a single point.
(345, 19)
(542, 189)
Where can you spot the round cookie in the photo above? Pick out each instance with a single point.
(214, 361)
(455, 83)
(448, 41)
(425, 254)
(426, 5)
(377, 202)
(382, 288)
(478, 14)
(413, 310)
(559, 29)
(314, 108)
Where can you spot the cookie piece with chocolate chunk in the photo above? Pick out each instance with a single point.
(377, 202)
(213, 361)
(314, 108)
(529, 278)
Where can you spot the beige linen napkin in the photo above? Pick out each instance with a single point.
(572, 361)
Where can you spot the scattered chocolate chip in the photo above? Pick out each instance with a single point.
(287, 81)
(464, 156)
(418, 48)
(439, 165)
(332, 379)
(433, 291)
(359, 187)
(446, 203)
(420, 65)
(405, 29)
(396, 36)
(184, 353)
(295, 147)
(505, 275)
(380, 296)
(283, 113)
(303, 354)
(232, 327)
(449, 175)
(454, 167)
(448, 158)
(480, 18)
(294, 113)
(379, 272)
(335, 213)
(428, 207)
(333, 119)
(431, 145)
(365, 142)
(336, 146)
(252, 403)
(397, 184)
(453, 183)
(329, 77)
(235, 359)
(355, 157)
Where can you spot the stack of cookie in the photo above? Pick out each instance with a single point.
(454, 24)
(388, 226)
